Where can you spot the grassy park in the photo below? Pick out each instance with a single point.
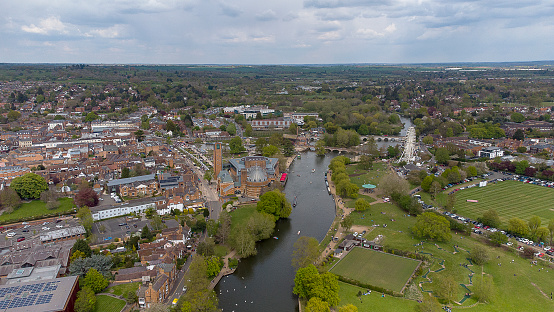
(509, 199)
(376, 268)
(106, 303)
(360, 177)
(123, 289)
(36, 209)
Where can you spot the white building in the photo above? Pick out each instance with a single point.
(491, 152)
(134, 206)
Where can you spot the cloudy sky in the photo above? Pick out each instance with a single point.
(275, 31)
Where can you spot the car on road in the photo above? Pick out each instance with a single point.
(175, 301)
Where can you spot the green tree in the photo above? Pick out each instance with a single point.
(522, 149)
(83, 247)
(235, 145)
(305, 279)
(542, 234)
(534, 224)
(498, 238)
(86, 300)
(146, 233)
(156, 222)
(13, 115)
(490, 218)
(521, 166)
(362, 205)
(317, 305)
(231, 129)
(450, 201)
(519, 135)
(551, 229)
(270, 150)
(274, 203)
(125, 173)
(517, 226)
(95, 281)
(427, 140)
(29, 185)
(305, 252)
(426, 183)
(9, 198)
(442, 155)
(517, 117)
(139, 134)
(213, 266)
(392, 183)
(170, 126)
(243, 242)
(479, 255)
(261, 225)
(432, 226)
(471, 171)
(92, 116)
(248, 130)
(198, 297)
(85, 216)
(206, 248)
(208, 175)
(347, 222)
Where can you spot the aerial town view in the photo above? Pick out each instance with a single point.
(336, 156)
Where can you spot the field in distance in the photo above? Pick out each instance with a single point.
(376, 268)
(509, 199)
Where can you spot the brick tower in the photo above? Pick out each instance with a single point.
(217, 159)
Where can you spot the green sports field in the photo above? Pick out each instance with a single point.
(509, 199)
(376, 268)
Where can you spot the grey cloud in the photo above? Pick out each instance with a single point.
(267, 15)
(344, 3)
(229, 9)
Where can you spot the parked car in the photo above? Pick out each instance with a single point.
(45, 228)
(20, 239)
(10, 234)
(59, 226)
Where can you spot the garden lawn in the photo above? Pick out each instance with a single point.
(509, 199)
(123, 289)
(106, 303)
(376, 268)
(384, 213)
(374, 301)
(36, 209)
(350, 203)
(241, 215)
(361, 177)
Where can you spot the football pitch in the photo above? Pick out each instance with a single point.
(509, 199)
(376, 268)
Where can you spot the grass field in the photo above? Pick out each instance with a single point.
(123, 289)
(241, 215)
(509, 199)
(372, 176)
(36, 209)
(376, 268)
(108, 304)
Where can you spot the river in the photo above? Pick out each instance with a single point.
(264, 282)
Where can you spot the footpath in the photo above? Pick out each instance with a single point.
(226, 270)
